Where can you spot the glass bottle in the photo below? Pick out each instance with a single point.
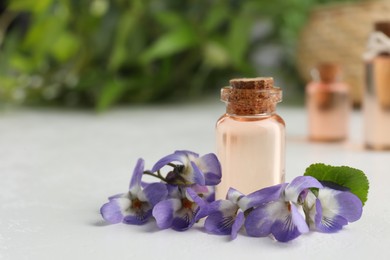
(376, 105)
(250, 136)
(327, 104)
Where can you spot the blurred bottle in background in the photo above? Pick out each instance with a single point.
(376, 104)
(328, 104)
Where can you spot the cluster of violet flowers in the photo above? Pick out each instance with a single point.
(186, 194)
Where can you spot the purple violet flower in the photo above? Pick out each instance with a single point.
(181, 211)
(205, 170)
(281, 217)
(332, 209)
(187, 194)
(207, 193)
(225, 216)
(135, 206)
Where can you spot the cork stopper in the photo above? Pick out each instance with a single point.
(383, 26)
(251, 96)
(252, 83)
(327, 72)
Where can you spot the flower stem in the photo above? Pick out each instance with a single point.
(158, 175)
(172, 165)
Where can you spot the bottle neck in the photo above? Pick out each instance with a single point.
(326, 73)
(235, 109)
(378, 45)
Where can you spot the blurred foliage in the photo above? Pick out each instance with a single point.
(100, 52)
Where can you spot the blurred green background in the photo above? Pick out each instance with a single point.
(100, 53)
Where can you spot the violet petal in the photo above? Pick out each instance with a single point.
(207, 193)
(351, 206)
(217, 223)
(138, 218)
(199, 188)
(135, 182)
(164, 210)
(234, 195)
(262, 196)
(210, 166)
(112, 210)
(155, 192)
(222, 214)
(173, 191)
(202, 211)
(189, 154)
(259, 221)
(328, 224)
(238, 223)
(195, 175)
(285, 231)
(289, 225)
(299, 184)
(298, 220)
(175, 157)
(183, 219)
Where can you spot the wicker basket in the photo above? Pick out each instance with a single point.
(339, 33)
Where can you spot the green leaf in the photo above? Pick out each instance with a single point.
(65, 46)
(169, 19)
(43, 34)
(28, 5)
(171, 43)
(125, 29)
(111, 93)
(215, 55)
(238, 38)
(353, 179)
(215, 17)
(19, 62)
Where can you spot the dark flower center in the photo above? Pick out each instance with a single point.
(288, 206)
(187, 203)
(136, 203)
(176, 176)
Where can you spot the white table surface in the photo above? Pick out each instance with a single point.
(57, 168)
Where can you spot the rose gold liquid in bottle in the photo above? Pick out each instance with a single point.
(250, 136)
(328, 105)
(376, 106)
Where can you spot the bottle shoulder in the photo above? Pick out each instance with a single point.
(271, 118)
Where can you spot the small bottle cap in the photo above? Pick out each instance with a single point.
(383, 26)
(328, 72)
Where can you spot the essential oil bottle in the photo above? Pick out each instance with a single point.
(327, 104)
(376, 105)
(250, 136)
